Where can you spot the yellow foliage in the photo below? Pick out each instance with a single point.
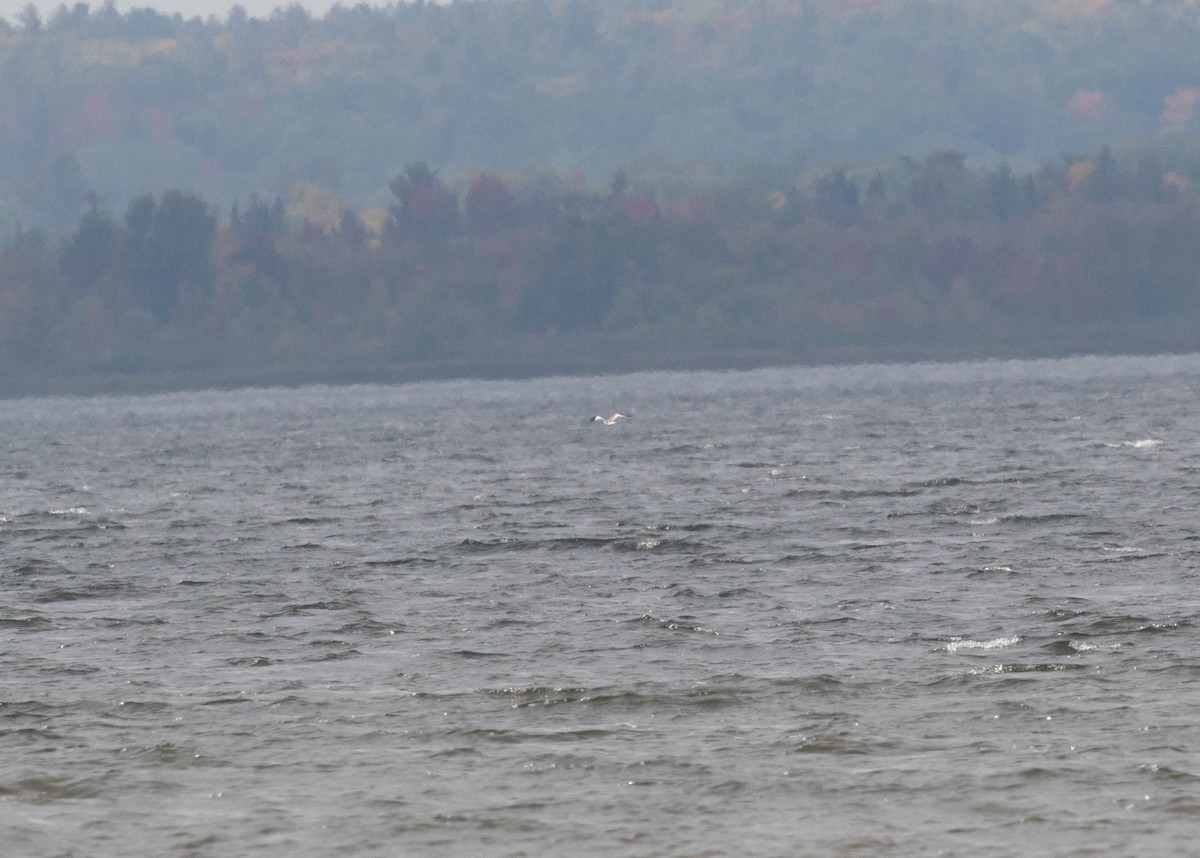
(373, 220)
(118, 52)
(317, 205)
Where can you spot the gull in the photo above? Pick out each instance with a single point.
(610, 419)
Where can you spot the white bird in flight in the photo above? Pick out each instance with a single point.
(610, 419)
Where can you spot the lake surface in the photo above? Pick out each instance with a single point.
(839, 611)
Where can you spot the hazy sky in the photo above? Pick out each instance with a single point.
(187, 8)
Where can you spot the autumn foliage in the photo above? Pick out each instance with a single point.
(535, 273)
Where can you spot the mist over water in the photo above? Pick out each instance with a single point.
(842, 611)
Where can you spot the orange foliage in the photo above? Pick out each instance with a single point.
(1080, 172)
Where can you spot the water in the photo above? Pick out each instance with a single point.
(848, 611)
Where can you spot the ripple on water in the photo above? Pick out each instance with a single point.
(793, 606)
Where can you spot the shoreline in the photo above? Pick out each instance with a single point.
(510, 364)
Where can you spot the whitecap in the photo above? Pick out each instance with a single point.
(984, 522)
(75, 510)
(1081, 646)
(1142, 444)
(996, 643)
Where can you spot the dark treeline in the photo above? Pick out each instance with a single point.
(540, 273)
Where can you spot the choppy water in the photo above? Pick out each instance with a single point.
(849, 611)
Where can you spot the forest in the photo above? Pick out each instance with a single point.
(519, 187)
(540, 272)
(140, 102)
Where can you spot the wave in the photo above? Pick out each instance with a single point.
(957, 644)
(1132, 444)
(30, 623)
(570, 543)
(653, 698)
(684, 624)
(1036, 667)
(413, 560)
(990, 571)
(1030, 518)
(1069, 647)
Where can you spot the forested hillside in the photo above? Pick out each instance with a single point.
(532, 186)
(929, 259)
(127, 104)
